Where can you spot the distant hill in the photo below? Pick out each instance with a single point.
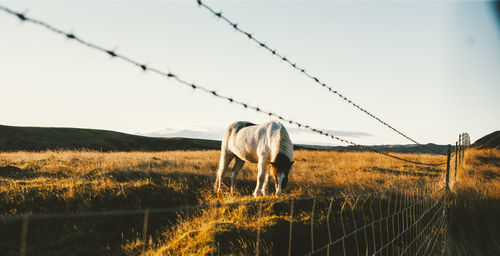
(491, 140)
(411, 148)
(13, 138)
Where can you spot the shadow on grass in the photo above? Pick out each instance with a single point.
(495, 161)
(474, 224)
(13, 172)
(432, 173)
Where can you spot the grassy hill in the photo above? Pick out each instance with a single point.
(13, 138)
(491, 140)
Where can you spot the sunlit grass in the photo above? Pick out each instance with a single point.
(59, 181)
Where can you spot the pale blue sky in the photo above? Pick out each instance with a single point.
(430, 69)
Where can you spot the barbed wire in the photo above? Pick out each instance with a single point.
(282, 57)
(170, 75)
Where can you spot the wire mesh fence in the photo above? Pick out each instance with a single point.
(397, 221)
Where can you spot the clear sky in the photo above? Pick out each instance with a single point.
(430, 69)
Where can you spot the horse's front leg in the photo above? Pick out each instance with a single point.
(265, 184)
(261, 170)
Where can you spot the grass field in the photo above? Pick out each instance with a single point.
(75, 181)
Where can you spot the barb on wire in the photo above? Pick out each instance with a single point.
(281, 56)
(170, 75)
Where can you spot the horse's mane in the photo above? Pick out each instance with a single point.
(285, 145)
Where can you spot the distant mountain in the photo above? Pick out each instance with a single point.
(14, 138)
(411, 148)
(210, 133)
(491, 140)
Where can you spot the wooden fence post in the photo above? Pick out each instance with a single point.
(464, 147)
(460, 148)
(448, 168)
(445, 209)
(456, 157)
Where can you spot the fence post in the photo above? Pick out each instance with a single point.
(145, 230)
(216, 217)
(291, 226)
(460, 148)
(312, 225)
(328, 227)
(456, 152)
(257, 245)
(24, 235)
(448, 168)
(464, 147)
(445, 208)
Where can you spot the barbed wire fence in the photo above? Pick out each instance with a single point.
(170, 75)
(315, 79)
(392, 221)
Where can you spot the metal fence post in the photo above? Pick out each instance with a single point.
(216, 217)
(145, 230)
(257, 245)
(328, 227)
(312, 225)
(291, 226)
(24, 235)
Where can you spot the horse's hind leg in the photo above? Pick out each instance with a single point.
(237, 167)
(225, 159)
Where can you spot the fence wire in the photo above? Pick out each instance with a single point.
(170, 75)
(349, 224)
(316, 80)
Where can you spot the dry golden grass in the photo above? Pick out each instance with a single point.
(59, 181)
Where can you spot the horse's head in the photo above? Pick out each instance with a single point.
(279, 170)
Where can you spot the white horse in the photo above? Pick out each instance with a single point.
(266, 144)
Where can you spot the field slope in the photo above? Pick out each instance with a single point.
(491, 140)
(13, 138)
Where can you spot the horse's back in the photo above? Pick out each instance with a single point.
(248, 140)
(236, 126)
